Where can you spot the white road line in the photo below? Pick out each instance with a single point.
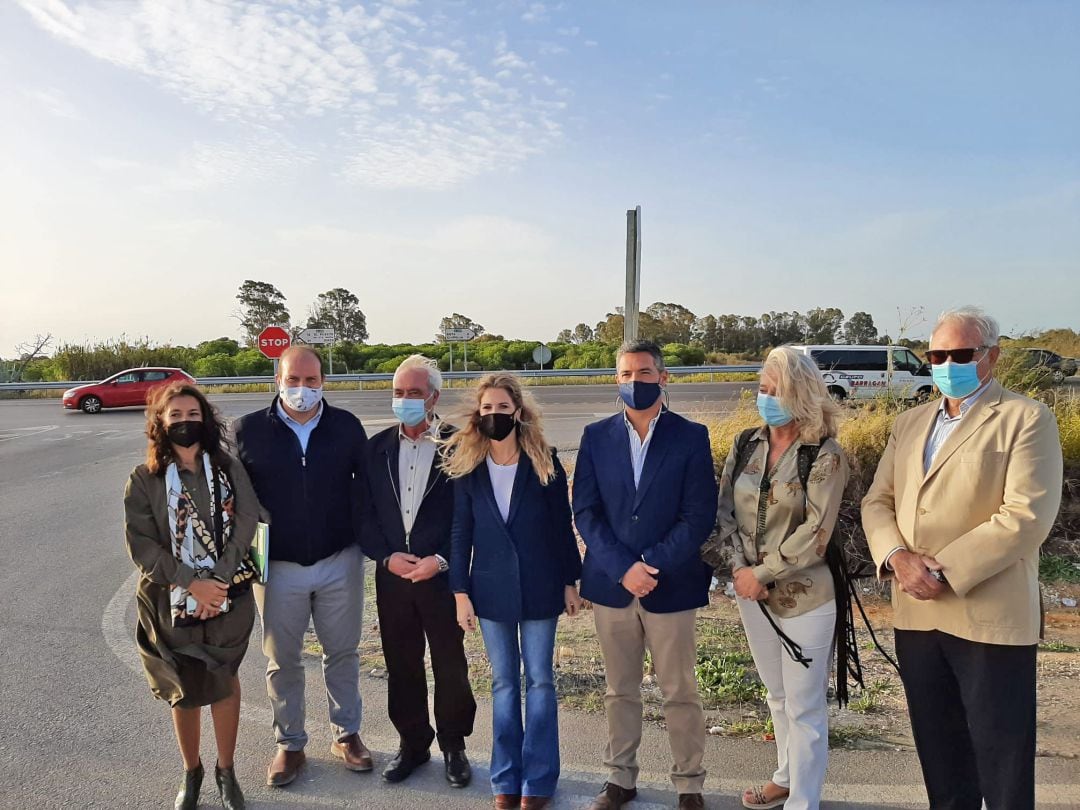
(122, 643)
(22, 433)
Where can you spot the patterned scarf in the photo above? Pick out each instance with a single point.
(198, 543)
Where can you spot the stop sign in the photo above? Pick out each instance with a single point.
(273, 341)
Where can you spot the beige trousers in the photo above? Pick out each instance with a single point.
(624, 634)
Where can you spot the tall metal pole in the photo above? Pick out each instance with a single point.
(633, 274)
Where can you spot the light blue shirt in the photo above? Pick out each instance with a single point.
(638, 448)
(945, 425)
(302, 430)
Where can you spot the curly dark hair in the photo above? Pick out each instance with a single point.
(159, 452)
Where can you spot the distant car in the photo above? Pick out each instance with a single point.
(120, 390)
(864, 372)
(1058, 366)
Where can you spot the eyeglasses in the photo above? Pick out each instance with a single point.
(939, 356)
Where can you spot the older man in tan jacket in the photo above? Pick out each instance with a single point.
(965, 494)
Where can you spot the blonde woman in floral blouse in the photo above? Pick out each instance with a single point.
(772, 536)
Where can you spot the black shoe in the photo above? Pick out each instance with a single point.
(232, 798)
(404, 763)
(188, 797)
(458, 770)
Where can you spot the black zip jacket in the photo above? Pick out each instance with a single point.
(315, 499)
(384, 532)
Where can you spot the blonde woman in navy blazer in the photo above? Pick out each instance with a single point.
(514, 566)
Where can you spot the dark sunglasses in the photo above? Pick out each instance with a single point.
(939, 356)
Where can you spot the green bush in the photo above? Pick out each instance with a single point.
(215, 365)
(251, 363)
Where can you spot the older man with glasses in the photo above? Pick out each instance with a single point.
(965, 494)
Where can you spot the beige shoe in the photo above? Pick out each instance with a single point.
(354, 752)
(285, 767)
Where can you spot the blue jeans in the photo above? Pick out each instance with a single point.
(524, 759)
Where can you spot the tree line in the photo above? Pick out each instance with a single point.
(674, 323)
(686, 340)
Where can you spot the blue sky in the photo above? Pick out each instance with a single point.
(480, 157)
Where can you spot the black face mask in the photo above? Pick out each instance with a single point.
(185, 434)
(497, 426)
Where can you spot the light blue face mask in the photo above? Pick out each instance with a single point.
(411, 412)
(956, 380)
(774, 414)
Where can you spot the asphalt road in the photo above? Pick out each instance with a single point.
(82, 730)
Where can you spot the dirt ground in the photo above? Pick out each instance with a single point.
(875, 718)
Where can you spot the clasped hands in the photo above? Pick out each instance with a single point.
(640, 579)
(411, 567)
(913, 577)
(209, 596)
(747, 585)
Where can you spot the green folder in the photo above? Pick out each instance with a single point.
(260, 551)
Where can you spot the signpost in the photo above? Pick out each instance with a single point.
(633, 274)
(320, 336)
(272, 342)
(462, 335)
(541, 355)
(316, 336)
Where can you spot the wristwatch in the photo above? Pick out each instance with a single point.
(444, 566)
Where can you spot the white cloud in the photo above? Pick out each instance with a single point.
(481, 234)
(408, 105)
(536, 12)
(55, 102)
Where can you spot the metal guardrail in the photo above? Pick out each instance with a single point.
(363, 378)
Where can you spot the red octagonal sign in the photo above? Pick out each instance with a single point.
(273, 341)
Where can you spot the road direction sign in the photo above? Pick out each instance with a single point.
(316, 336)
(542, 354)
(273, 341)
(458, 335)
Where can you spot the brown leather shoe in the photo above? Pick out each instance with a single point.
(535, 802)
(612, 797)
(354, 752)
(505, 801)
(285, 767)
(691, 801)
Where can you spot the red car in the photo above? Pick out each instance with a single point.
(126, 388)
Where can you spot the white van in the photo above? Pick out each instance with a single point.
(863, 372)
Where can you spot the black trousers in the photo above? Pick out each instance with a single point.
(972, 708)
(409, 612)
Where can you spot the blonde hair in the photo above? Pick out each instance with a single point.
(801, 390)
(467, 447)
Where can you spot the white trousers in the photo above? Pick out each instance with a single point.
(796, 696)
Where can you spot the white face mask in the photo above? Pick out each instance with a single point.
(301, 398)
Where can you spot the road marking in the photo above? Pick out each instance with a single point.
(120, 641)
(22, 433)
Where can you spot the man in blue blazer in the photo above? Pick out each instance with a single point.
(644, 502)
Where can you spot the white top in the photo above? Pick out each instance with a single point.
(414, 468)
(944, 426)
(502, 481)
(638, 448)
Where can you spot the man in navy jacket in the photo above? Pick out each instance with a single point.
(306, 461)
(644, 502)
(407, 534)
